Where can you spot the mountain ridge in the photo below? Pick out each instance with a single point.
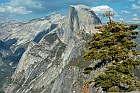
(53, 58)
(45, 65)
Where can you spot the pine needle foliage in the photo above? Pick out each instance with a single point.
(115, 48)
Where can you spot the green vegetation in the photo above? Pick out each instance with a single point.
(115, 49)
(77, 62)
(51, 38)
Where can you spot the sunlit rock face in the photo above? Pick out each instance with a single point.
(52, 61)
(15, 37)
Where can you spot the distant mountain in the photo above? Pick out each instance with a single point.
(15, 37)
(49, 51)
(45, 55)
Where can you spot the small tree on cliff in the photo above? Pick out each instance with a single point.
(115, 49)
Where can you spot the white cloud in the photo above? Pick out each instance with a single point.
(132, 22)
(134, 15)
(125, 12)
(134, 6)
(19, 6)
(25, 3)
(14, 10)
(45, 6)
(121, 19)
(101, 9)
(135, 19)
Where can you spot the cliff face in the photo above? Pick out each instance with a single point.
(15, 37)
(52, 63)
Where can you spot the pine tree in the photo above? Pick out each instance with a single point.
(115, 48)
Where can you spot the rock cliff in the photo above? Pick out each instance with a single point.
(15, 37)
(52, 61)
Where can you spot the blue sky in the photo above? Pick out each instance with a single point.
(125, 10)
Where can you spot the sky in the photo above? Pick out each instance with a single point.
(25, 10)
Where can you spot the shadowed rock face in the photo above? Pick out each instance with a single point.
(52, 64)
(8, 59)
(15, 37)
